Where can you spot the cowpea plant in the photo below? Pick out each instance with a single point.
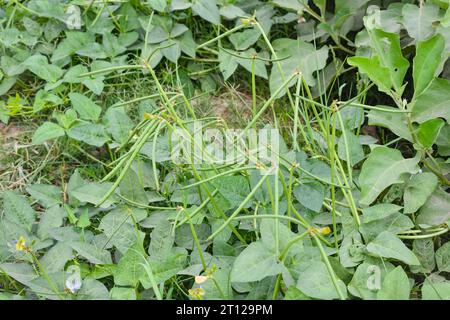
(357, 207)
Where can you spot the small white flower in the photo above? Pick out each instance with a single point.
(73, 281)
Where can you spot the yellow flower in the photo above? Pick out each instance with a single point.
(20, 245)
(200, 279)
(197, 293)
(324, 231)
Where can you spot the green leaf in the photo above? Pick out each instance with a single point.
(119, 293)
(85, 107)
(119, 228)
(159, 5)
(315, 281)
(245, 39)
(427, 61)
(383, 168)
(433, 102)
(92, 289)
(51, 218)
(435, 289)
(387, 245)
(443, 141)
(161, 241)
(91, 253)
(290, 4)
(129, 269)
(255, 263)
(22, 272)
(47, 131)
(419, 20)
(424, 251)
(56, 258)
(387, 46)
(443, 257)
(299, 56)
(310, 195)
(39, 65)
(418, 190)
(436, 210)
(118, 124)
(208, 10)
(132, 189)
(93, 193)
(233, 188)
(73, 42)
(355, 150)
(379, 211)
(395, 286)
(376, 72)
(396, 122)
(428, 132)
(92, 134)
(18, 210)
(47, 195)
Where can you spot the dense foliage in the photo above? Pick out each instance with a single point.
(92, 207)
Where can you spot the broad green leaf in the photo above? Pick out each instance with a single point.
(433, 102)
(443, 257)
(310, 195)
(233, 188)
(255, 263)
(159, 5)
(427, 62)
(373, 68)
(387, 245)
(161, 241)
(132, 189)
(436, 210)
(290, 4)
(299, 56)
(355, 151)
(86, 108)
(47, 131)
(395, 286)
(424, 251)
(119, 229)
(18, 210)
(245, 39)
(51, 218)
(39, 65)
(418, 190)
(428, 132)
(383, 168)
(387, 46)
(56, 258)
(73, 42)
(92, 289)
(47, 195)
(435, 289)
(419, 20)
(92, 134)
(315, 281)
(379, 211)
(93, 193)
(208, 10)
(120, 293)
(394, 223)
(443, 141)
(22, 272)
(228, 64)
(396, 122)
(129, 269)
(91, 253)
